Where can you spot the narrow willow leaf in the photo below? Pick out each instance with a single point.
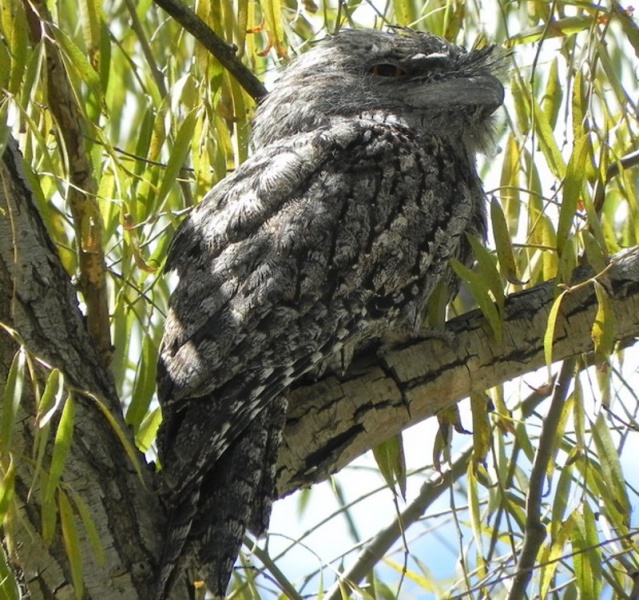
(48, 513)
(587, 559)
(549, 335)
(71, 543)
(521, 98)
(560, 502)
(480, 292)
(503, 242)
(50, 398)
(556, 551)
(7, 489)
(178, 155)
(488, 270)
(482, 433)
(553, 95)
(603, 328)
(144, 385)
(61, 447)
(594, 254)
(89, 527)
(573, 184)
(509, 182)
(616, 496)
(148, 430)
(8, 585)
(475, 517)
(390, 459)
(16, 29)
(129, 448)
(77, 60)
(274, 13)
(547, 142)
(11, 399)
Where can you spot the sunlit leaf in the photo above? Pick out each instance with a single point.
(390, 459)
(61, 447)
(11, 399)
(71, 543)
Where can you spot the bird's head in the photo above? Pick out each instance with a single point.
(416, 78)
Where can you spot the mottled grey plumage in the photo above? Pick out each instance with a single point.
(361, 188)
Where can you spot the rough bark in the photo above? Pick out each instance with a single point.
(38, 302)
(332, 420)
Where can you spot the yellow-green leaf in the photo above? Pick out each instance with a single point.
(390, 459)
(482, 432)
(89, 527)
(71, 543)
(603, 328)
(549, 335)
(7, 488)
(503, 243)
(573, 183)
(11, 399)
(480, 291)
(178, 154)
(61, 447)
(587, 559)
(611, 471)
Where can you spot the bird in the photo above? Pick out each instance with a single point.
(360, 188)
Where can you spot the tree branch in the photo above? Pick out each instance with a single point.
(535, 532)
(82, 188)
(225, 53)
(38, 301)
(334, 420)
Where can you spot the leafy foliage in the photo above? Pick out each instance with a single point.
(162, 121)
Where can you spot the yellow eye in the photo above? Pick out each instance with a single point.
(387, 70)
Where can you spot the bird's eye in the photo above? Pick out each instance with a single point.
(387, 70)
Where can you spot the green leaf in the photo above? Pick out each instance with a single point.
(482, 431)
(11, 399)
(389, 456)
(61, 447)
(89, 527)
(603, 328)
(144, 385)
(476, 522)
(616, 498)
(503, 243)
(587, 557)
(179, 153)
(553, 95)
(8, 585)
(547, 142)
(7, 489)
(549, 335)
(71, 543)
(573, 184)
(480, 291)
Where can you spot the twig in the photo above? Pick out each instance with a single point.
(225, 53)
(535, 532)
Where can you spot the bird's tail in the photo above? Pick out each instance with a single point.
(207, 527)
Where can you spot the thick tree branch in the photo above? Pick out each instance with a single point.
(332, 421)
(225, 53)
(38, 301)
